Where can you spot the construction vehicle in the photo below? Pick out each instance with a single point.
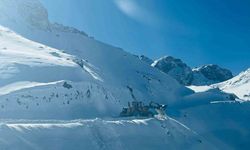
(138, 109)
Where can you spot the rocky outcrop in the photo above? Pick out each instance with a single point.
(175, 68)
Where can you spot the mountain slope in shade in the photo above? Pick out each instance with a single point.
(146, 59)
(204, 75)
(210, 74)
(175, 68)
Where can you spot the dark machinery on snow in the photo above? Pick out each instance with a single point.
(137, 108)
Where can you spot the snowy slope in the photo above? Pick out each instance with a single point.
(99, 134)
(225, 124)
(77, 58)
(239, 85)
(28, 67)
(24, 60)
(83, 78)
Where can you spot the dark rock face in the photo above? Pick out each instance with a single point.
(205, 75)
(175, 68)
(210, 74)
(146, 59)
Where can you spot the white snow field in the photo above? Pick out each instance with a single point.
(55, 80)
(99, 134)
(239, 85)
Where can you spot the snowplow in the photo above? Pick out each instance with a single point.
(139, 109)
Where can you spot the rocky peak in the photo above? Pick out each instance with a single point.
(175, 68)
(146, 59)
(204, 75)
(210, 74)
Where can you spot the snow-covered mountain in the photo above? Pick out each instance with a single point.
(175, 68)
(210, 74)
(51, 74)
(204, 75)
(145, 59)
(239, 85)
(103, 78)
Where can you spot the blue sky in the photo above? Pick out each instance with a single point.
(197, 31)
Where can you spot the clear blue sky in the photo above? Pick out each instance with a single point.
(197, 31)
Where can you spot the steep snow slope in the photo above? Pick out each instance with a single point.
(239, 85)
(24, 60)
(94, 65)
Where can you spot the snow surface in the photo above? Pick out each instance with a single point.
(51, 75)
(99, 134)
(239, 85)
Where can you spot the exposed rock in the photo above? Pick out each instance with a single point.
(210, 74)
(205, 75)
(175, 68)
(146, 59)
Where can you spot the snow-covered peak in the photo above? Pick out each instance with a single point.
(175, 68)
(239, 85)
(214, 72)
(242, 78)
(204, 75)
(210, 74)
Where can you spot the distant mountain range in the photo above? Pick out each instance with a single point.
(176, 68)
(203, 78)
